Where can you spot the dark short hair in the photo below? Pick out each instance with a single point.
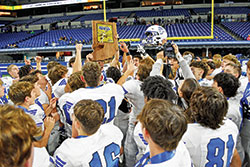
(158, 87)
(164, 121)
(209, 107)
(144, 71)
(235, 68)
(114, 73)
(36, 72)
(137, 56)
(202, 65)
(188, 87)
(52, 64)
(211, 65)
(228, 83)
(91, 72)
(75, 82)
(30, 78)
(57, 73)
(25, 70)
(72, 60)
(90, 114)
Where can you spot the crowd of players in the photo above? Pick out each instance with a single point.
(126, 113)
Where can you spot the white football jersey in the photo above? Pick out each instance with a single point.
(109, 96)
(70, 71)
(177, 158)
(208, 147)
(138, 136)
(245, 107)
(135, 97)
(42, 158)
(61, 106)
(243, 84)
(140, 141)
(205, 82)
(99, 149)
(7, 81)
(234, 113)
(37, 114)
(58, 88)
(43, 98)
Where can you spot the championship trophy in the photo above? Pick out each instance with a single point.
(105, 42)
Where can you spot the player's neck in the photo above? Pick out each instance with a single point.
(87, 86)
(155, 149)
(25, 105)
(82, 133)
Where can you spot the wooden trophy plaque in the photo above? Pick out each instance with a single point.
(105, 44)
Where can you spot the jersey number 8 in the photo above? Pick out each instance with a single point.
(216, 150)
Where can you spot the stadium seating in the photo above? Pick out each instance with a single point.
(225, 10)
(55, 19)
(54, 36)
(242, 29)
(99, 16)
(198, 29)
(159, 13)
(10, 38)
(24, 22)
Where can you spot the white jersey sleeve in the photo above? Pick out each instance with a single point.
(37, 114)
(42, 158)
(63, 110)
(43, 98)
(58, 88)
(234, 113)
(99, 149)
(208, 147)
(135, 97)
(138, 137)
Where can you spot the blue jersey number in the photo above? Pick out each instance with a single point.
(216, 150)
(111, 105)
(110, 151)
(66, 108)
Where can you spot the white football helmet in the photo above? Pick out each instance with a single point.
(155, 34)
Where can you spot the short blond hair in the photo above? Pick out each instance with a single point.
(20, 90)
(16, 136)
(10, 67)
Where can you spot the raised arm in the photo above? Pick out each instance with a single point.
(186, 70)
(78, 62)
(130, 71)
(38, 63)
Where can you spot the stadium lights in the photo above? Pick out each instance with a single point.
(46, 4)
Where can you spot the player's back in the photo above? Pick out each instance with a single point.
(208, 147)
(109, 96)
(99, 149)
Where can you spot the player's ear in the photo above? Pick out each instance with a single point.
(29, 161)
(220, 89)
(26, 99)
(145, 133)
(77, 124)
